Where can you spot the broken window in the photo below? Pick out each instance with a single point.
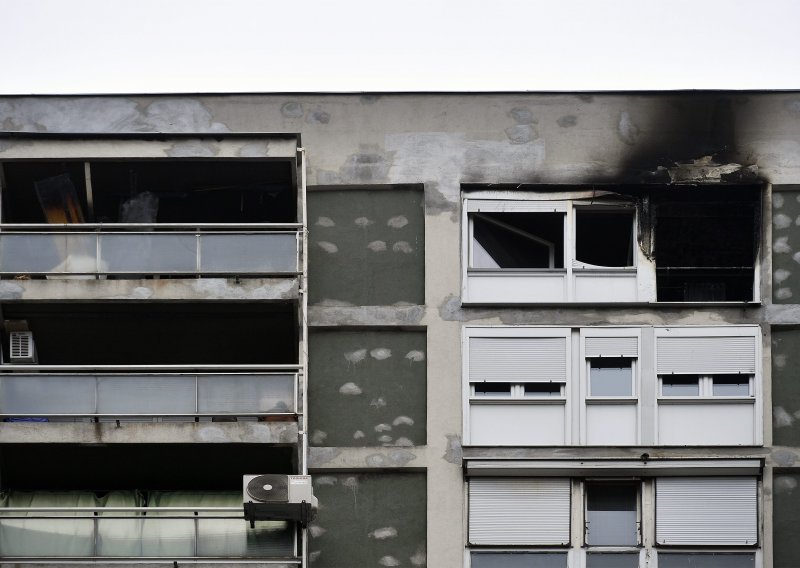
(706, 244)
(604, 237)
(517, 240)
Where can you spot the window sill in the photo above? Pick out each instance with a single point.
(487, 400)
(706, 400)
(612, 400)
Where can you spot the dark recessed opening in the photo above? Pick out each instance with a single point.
(159, 191)
(76, 467)
(160, 334)
(518, 240)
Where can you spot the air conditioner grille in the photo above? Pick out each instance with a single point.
(21, 345)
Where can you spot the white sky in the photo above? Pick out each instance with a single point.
(160, 46)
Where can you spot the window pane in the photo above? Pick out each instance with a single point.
(492, 389)
(519, 560)
(604, 238)
(611, 377)
(616, 560)
(706, 560)
(683, 385)
(543, 389)
(611, 514)
(518, 240)
(731, 385)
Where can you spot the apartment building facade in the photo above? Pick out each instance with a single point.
(498, 330)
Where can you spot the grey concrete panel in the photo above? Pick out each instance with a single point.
(786, 244)
(369, 520)
(366, 247)
(786, 523)
(368, 388)
(785, 386)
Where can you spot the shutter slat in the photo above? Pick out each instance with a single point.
(519, 511)
(706, 511)
(706, 355)
(518, 359)
(507, 205)
(612, 347)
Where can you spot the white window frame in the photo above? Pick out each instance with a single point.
(469, 398)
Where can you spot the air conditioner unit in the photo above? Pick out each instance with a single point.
(278, 497)
(21, 349)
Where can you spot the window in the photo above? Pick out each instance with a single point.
(611, 377)
(707, 386)
(612, 514)
(550, 251)
(637, 244)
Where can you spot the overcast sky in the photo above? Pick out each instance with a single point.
(160, 46)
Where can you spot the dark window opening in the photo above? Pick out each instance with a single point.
(706, 242)
(543, 389)
(492, 389)
(611, 514)
(604, 237)
(730, 385)
(680, 385)
(518, 240)
(159, 334)
(154, 191)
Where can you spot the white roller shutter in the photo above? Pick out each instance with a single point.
(611, 347)
(518, 359)
(706, 355)
(515, 206)
(522, 511)
(706, 511)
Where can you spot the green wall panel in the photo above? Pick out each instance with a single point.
(786, 244)
(785, 386)
(786, 520)
(366, 247)
(367, 388)
(375, 519)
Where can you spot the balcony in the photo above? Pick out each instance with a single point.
(140, 250)
(114, 531)
(146, 392)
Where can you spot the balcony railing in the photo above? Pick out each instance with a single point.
(129, 250)
(136, 533)
(147, 391)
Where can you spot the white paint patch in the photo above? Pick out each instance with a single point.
(383, 533)
(777, 200)
(350, 482)
(415, 356)
(404, 442)
(380, 353)
(325, 480)
(358, 434)
(382, 428)
(316, 531)
(389, 561)
(779, 360)
(784, 484)
(379, 402)
(363, 222)
(385, 439)
(402, 246)
(782, 221)
(350, 389)
(328, 247)
(783, 293)
(318, 437)
(403, 420)
(781, 418)
(781, 245)
(325, 222)
(628, 130)
(796, 257)
(377, 246)
(356, 356)
(397, 222)
(419, 558)
(781, 275)
(333, 303)
(314, 555)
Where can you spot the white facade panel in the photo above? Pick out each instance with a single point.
(594, 286)
(698, 511)
(510, 288)
(519, 511)
(517, 424)
(712, 424)
(611, 425)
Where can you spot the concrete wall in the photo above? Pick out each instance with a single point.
(442, 142)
